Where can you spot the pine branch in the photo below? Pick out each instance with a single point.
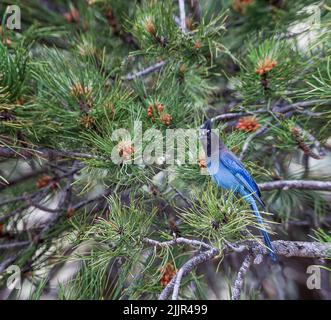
(45, 153)
(296, 184)
(37, 196)
(282, 248)
(301, 249)
(177, 241)
(153, 68)
(238, 283)
(188, 267)
(315, 142)
(23, 178)
(248, 141)
(286, 110)
(178, 279)
(11, 245)
(8, 261)
(86, 202)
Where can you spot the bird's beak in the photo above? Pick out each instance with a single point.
(205, 128)
(207, 125)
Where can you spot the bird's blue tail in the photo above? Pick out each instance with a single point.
(266, 238)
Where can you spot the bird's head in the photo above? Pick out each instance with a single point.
(209, 140)
(205, 134)
(205, 129)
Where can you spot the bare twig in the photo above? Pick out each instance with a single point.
(316, 143)
(23, 177)
(8, 261)
(177, 241)
(182, 196)
(236, 248)
(11, 245)
(230, 116)
(43, 208)
(297, 106)
(134, 75)
(13, 213)
(85, 202)
(178, 280)
(248, 141)
(286, 110)
(238, 283)
(301, 249)
(6, 152)
(187, 268)
(282, 248)
(296, 184)
(182, 15)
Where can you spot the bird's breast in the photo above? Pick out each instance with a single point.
(223, 177)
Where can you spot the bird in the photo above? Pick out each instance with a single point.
(228, 172)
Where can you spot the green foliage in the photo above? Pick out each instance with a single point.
(159, 35)
(323, 236)
(13, 68)
(65, 91)
(74, 97)
(217, 216)
(320, 83)
(268, 70)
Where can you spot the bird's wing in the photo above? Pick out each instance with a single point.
(234, 165)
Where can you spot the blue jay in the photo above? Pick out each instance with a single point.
(229, 173)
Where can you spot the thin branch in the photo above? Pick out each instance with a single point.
(187, 268)
(282, 248)
(182, 15)
(286, 110)
(13, 213)
(234, 247)
(238, 283)
(45, 153)
(248, 141)
(296, 106)
(296, 184)
(182, 196)
(134, 75)
(177, 241)
(301, 249)
(178, 280)
(311, 113)
(42, 207)
(316, 143)
(11, 245)
(32, 199)
(8, 261)
(84, 203)
(11, 200)
(23, 177)
(63, 203)
(230, 116)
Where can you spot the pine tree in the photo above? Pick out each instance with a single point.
(82, 80)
